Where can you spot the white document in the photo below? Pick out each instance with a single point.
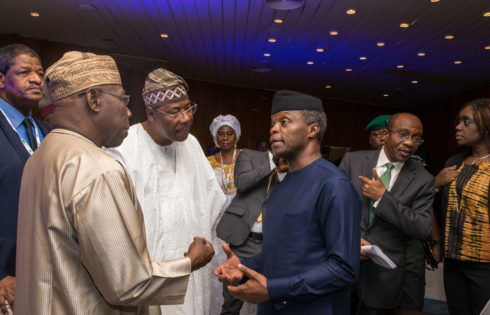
(378, 256)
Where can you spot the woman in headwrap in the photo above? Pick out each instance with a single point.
(464, 205)
(226, 132)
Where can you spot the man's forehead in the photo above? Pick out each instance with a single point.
(177, 104)
(285, 113)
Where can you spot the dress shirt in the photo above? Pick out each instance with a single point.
(16, 118)
(381, 168)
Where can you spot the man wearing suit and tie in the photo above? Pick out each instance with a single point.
(20, 134)
(241, 224)
(397, 195)
(310, 249)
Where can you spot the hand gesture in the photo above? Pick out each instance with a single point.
(200, 252)
(228, 271)
(364, 256)
(254, 290)
(7, 293)
(373, 188)
(446, 175)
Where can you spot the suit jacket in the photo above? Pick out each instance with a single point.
(402, 213)
(252, 171)
(13, 156)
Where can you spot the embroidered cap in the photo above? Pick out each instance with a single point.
(163, 86)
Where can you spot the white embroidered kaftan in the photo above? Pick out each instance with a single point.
(180, 198)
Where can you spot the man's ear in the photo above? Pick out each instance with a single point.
(150, 114)
(92, 100)
(313, 130)
(2, 80)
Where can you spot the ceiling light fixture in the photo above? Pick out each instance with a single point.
(328, 86)
(348, 69)
(310, 62)
(404, 25)
(362, 58)
(34, 14)
(486, 14)
(320, 50)
(421, 54)
(163, 35)
(284, 4)
(400, 66)
(333, 33)
(351, 11)
(278, 21)
(458, 62)
(449, 36)
(380, 44)
(434, 0)
(272, 40)
(487, 47)
(267, 55)
(415, 82)
(386, 95)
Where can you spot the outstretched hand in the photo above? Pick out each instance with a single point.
(373, 188)
(254, 290)
(228, 271)
(200, 252)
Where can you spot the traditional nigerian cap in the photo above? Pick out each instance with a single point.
(77, 71)
(378, 123)
(225, 120)
(291, 100)
(163, 86)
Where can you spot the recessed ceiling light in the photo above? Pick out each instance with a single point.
(333, 33)
(320, 50)
(400, 66)
(380, 44)
(267, 55)
(163, 35)
(348, 69)
(328, 86)
(34, 14)
(386, 95)
(487, 47)
(486, 14)
(449, 36)
(362, 58)
(404, 25)
(310, 62)
(272, 40)
(351, 11)
(421, 54)
(434, 0)
(284, 4)
(278, 21)
(415, 81)
(458, 62)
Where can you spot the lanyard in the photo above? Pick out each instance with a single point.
(24, 142)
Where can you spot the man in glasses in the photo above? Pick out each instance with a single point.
(81, 242)
(397, 195)
(174, 182)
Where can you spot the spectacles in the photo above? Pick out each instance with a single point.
(190, 107)
(124, 98)
(418, 140)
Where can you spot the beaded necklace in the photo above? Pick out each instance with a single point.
(227, 178)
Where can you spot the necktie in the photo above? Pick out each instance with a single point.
(386, 179)
(32, 141)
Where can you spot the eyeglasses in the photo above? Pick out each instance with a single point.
(124, 98)
(418, 140)
(189, 108)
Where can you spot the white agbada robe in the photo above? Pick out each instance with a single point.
(180, 198)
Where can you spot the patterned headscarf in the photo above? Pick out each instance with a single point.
(225, 120)
(163, 86)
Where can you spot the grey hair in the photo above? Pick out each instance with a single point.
(315, 117)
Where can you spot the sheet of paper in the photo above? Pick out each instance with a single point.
(378, 256)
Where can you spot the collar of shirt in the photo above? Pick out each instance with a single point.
(381, 167)
(15, 117)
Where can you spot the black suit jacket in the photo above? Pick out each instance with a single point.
(13, 156)
(403, 213)
(252, 171)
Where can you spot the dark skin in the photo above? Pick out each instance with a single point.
(293, 140)
(226, 138)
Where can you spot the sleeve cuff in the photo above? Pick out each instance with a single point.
(278, 293)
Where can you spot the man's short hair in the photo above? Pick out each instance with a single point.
(9, 52)
(312, 117)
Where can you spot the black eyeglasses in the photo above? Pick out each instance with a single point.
(418, 140)
(190, 107)
(124, 98)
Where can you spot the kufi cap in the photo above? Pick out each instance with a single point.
(163, 86)
(291, 100)
(378, 123)
(77, 71)
(225, 120)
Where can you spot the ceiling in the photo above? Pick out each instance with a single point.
(224, 41)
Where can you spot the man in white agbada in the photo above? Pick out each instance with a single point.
(174, 182)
